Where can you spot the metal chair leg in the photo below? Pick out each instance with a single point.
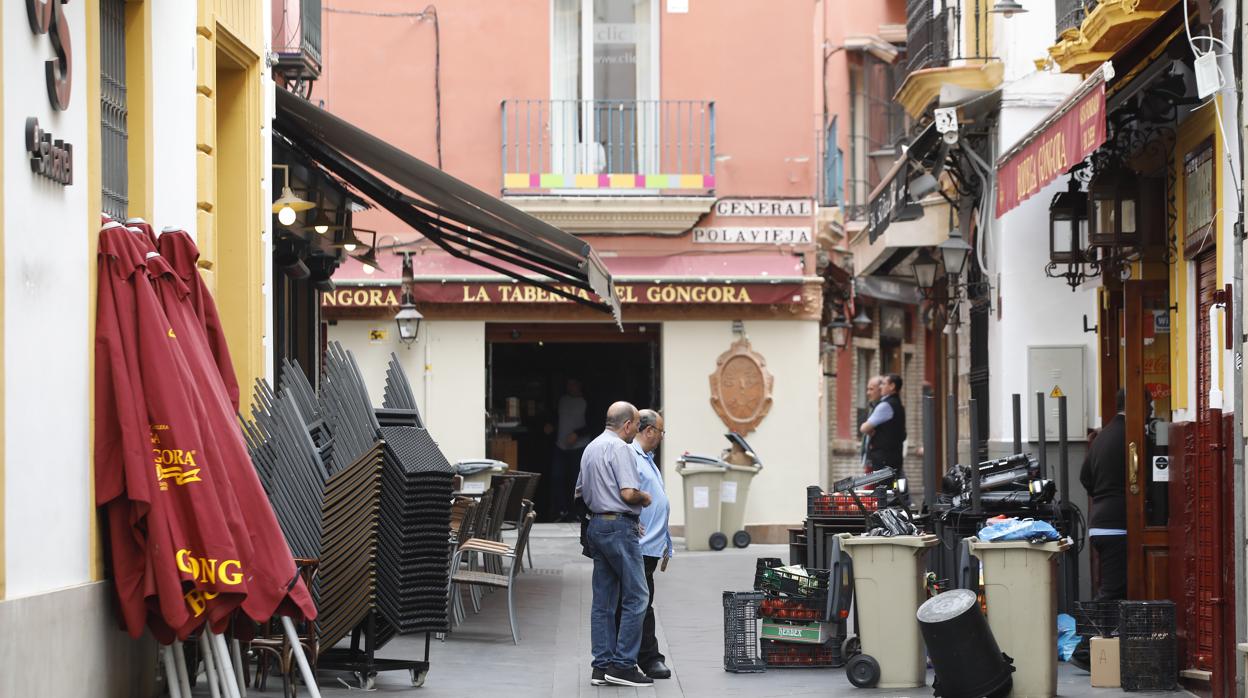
(511, 615)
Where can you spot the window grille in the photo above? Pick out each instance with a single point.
(115, 170)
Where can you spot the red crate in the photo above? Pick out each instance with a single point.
(840, 504)
(793, 608)
(792, 655)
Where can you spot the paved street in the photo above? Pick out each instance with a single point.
(553, 656)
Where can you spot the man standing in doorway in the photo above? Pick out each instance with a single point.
(887, 428)
(656, 539)
(571, 436)
(873, 399)
(1104, 476)
(611, 488)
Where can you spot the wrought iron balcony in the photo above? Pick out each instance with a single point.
(927, 35)
(575, 146)
(297, 39)
(1070, 14)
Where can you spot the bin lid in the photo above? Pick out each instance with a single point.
(945, 606)
(473, 466)
(925, 540)
(684, 467)
(1052, 546)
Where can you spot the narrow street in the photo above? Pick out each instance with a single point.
(553, 657)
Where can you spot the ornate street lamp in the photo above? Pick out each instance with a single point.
(1008, 8)
(925, 267)
(1113, 201)
(953, 252)
(839, 332)
(1068, 225)
(408, 320)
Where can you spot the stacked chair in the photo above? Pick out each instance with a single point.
(363, 496)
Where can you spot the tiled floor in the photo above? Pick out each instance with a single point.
(553, 656)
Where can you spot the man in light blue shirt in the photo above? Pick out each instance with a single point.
(656, 538)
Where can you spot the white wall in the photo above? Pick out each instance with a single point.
(46, 289)
(787, 441)
(446, 367)
(1034, 310)
(173, 122)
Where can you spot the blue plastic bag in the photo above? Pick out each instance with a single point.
(1067, 640)
(1018, 529)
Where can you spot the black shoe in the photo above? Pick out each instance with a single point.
(598, 678)
(628, 677)
(658, 670)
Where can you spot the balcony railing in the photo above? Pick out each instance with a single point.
(927, 35)
(1071, 13)
(297, 41)
(585, 146)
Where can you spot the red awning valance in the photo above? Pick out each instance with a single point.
(1061, 140)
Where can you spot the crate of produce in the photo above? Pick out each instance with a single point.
(835, 505)
(808, 633)
(741, 615)
(797, 609)
(807, 583)
(788, 655)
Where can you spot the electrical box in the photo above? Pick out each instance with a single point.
(1057, 371)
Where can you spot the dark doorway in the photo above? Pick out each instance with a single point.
(528, 369)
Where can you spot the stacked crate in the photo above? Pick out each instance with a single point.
(802, 620)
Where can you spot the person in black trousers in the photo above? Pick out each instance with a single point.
(1104, 476)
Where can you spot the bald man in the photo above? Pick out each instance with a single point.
(611, 488)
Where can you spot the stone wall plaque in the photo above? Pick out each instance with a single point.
(741, 387)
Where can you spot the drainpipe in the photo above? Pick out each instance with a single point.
(1235, 329)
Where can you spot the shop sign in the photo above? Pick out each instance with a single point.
(890, 200)
(892, 322)
(507, 293)
(1199, 197)
(1067, 136)
(764, 208)
(49, 157)
(752, 236)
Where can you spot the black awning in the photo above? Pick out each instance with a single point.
(463, 220)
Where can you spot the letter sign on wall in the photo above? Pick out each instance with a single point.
(48, 17)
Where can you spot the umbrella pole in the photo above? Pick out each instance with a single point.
(179, 663)
(238, 666)
(210, 666)
(296, 648)
(171, 672)
(229, 686)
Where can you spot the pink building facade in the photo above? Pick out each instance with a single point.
(709, 151)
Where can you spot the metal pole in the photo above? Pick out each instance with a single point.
(296, 648)
(1235, 328)
(975, 490)
(1062, 459)
(951, 431)
(930, 472)
(1042, 455)
(1016, 403)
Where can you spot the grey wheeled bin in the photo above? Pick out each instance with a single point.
(1020, 587)
(702, 478)
(478, 473)
(741, 466)
(888, 589)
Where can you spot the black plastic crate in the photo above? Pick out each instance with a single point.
(1147, 620)
(1096, 618)
(1148, 665)
(741, 616)
(812, 585)
(789, 655)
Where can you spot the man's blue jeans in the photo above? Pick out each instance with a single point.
(619, 580)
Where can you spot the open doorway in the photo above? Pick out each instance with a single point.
(528, 370)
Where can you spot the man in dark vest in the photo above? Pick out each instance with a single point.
(886, 427)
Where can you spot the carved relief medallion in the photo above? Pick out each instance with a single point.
(741, 387)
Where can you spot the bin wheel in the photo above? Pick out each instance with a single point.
(863, 671)
(741, 539)
(851, 647)
(718, 541)
(418, 677)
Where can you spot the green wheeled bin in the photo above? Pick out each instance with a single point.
(888, 589)
(702, 478)
(1020, 587)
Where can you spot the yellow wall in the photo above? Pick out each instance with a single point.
(1192, 132)
(230, 161)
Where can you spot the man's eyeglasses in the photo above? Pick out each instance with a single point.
(662, 432)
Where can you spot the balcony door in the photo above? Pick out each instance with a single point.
(604, 110)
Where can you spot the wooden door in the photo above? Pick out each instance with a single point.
(1209, 487)
(1148, 542)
